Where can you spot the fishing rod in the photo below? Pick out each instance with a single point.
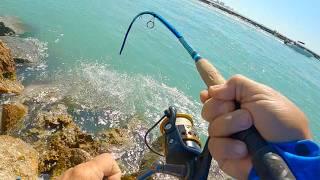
(265, 159)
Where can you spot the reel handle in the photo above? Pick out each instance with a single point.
(267, 163)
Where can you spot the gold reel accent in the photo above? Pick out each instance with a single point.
(187, 133)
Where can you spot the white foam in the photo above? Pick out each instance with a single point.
(119, 95)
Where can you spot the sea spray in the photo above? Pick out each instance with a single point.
(91, 88)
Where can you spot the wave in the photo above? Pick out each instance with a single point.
(103, 96)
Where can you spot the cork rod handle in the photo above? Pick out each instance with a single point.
(209, 74)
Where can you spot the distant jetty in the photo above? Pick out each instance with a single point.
(291, 43)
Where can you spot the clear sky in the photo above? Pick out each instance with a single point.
(297, 19)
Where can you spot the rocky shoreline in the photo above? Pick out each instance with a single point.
(40, 135)
(41, 138)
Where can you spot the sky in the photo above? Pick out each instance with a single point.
(297, 19)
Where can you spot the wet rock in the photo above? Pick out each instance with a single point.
(8, 86)
(7, 65)
(130, 177)
(10, 25)
(59, 141)
(70, 158)
(24, 50)
(18, 159)
(8, 72)
(40, 96)
(150, 157)
(114, 136)
(5, 31)
(12, 117)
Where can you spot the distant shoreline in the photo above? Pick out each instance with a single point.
(282, 37)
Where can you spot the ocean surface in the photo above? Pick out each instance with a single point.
(81, 42)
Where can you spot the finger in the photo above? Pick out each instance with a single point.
(227, 148)
(237, 168)
(232, 90)
(204, 96)
(213, 108)
(108, 166)
(230, 123)
(66, 175)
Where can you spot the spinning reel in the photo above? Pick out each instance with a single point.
(182, 148)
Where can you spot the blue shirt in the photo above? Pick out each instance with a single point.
(302, 157)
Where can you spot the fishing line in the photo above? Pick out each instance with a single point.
(147, 133)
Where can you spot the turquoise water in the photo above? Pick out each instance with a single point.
(83, 40)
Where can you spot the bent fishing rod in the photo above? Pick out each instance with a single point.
(265, 159)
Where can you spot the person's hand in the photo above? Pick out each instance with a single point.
(275, 117)
(101, 166)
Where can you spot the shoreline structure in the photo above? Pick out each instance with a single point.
(282, 37)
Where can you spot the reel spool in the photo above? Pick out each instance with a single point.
(185, 126)
(182, 143)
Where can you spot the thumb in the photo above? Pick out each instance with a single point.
(108, 166)
(233, 90)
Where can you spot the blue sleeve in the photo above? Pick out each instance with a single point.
(302, 157)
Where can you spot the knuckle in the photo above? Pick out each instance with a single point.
(237, 78)
(204, 112)
(214, 149)
(107, 156)
(228, 106)
(77, 172)
(246, 119)
(211, 88)
(211, 130)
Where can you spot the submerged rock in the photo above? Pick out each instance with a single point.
(24, 50)
(12, 117)
(5, 31)
(10, 25)
(18, 159)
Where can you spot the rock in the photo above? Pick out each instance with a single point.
(130, 176)
(10, 25)
(149, 157)
(12, 117)
(25, 50)
(18, 159)
(39, 96)
(5, 31)
(62, 144)
(8, 72)
(59, 141)
(8, 86)
(70, 158)
(114, 136)
(7, 65)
